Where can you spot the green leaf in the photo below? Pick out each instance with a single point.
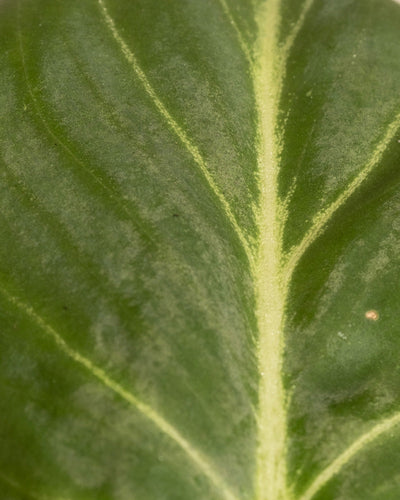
(199, 250)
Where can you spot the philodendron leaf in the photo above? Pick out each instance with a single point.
(199, 250)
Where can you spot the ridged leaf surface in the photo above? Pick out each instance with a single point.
(199, 250)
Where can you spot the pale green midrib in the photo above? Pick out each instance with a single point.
(163, 425)
(271, 287)
(348, 454)
(321, 221)
(380, 428)
(176, 128)
(270, 296)
(273, 477)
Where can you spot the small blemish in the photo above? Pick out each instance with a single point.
(175, 215)
(372, 315)
(342, 335)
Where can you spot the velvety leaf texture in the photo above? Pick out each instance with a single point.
(199, 250)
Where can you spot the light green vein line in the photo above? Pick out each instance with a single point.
(270, 294)
(298, 26)
(242, 43)
(271, 275)
(127, 396)
(38, 112)
(42, 119)
(344, 458)
(271, 288)
(322, 219)
(180, 133)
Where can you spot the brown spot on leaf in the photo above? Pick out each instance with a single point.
(372, 315)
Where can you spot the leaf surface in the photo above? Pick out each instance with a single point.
(199, 250)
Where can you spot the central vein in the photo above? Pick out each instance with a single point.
(270, 290)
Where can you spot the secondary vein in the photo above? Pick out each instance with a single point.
(175, 127)
(241, 40)
(348, 454)
(161, 423)
(321, 220)
(104, 185)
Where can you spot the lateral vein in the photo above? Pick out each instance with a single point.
(347, 455)
(242, 43)
(322, 219)
(298, 26)
(175, 127)
(111, 192)
(161, 423)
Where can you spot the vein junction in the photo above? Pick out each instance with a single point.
(272, 270)
(271, 273)
(272, 276)
(334, 467)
